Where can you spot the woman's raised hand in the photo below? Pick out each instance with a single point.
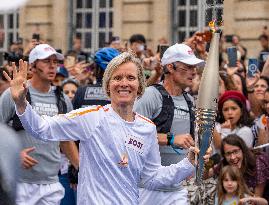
(251, 81)
(18, 87)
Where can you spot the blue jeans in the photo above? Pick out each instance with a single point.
(70, 196)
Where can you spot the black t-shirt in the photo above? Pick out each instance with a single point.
(90, 95)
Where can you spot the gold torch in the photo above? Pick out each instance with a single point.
(206, 108)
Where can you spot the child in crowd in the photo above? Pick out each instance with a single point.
(70, 87)
(232, 189)
(233, 118)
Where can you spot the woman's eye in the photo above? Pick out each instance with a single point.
(131, 77)
(117, 78)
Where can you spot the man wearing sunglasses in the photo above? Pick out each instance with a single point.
(170, 108)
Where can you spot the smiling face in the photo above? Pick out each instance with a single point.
(231, 111)
(124, 85)
(229, 185)
(260, 88)
(233, 155)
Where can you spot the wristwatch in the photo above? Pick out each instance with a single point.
(169, 138)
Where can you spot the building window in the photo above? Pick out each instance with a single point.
(93, 22)
(9, 26)
(189, 16)
(213, 10)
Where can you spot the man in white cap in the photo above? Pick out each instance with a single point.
(38, 181)
(170, 108)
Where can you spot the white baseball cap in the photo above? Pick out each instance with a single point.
(182, 53)
(43, 51)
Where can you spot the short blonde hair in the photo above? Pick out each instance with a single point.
(125, 57)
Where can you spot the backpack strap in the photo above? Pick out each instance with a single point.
(60, 101)
(164, 120)
(16, 123)
(191, 112)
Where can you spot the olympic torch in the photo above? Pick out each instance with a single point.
(206, 107)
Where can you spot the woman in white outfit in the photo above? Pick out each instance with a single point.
(118, 148)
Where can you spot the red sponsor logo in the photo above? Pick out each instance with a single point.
(49, 49)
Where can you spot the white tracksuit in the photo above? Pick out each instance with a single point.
(104, 139)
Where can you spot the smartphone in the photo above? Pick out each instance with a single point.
(70, 61)
(162, 48)
(264, 56)
(252, 67)
(232, 56)
(36, 36)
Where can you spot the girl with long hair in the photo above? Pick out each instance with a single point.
(254, 166)
(233, 190)
(231, 187)
(233, 118)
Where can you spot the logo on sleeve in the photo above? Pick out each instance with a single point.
(134, 143)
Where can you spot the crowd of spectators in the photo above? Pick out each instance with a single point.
(241, 126)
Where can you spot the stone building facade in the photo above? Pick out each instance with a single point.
(54, 20)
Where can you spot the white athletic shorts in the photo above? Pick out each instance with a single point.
(39, 194)
(147, 197)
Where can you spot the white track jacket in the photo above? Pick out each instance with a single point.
(115, 155)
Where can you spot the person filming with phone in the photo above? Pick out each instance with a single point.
(263, 55)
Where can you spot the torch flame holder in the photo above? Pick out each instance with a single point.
(205, 123)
